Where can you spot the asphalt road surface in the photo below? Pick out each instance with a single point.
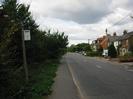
(99, 79)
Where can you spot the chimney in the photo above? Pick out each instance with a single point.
(124, 32)
(114, 34)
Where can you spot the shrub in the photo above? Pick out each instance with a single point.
(112, 51)
(92, 54)
(129, 54)
(128, 57)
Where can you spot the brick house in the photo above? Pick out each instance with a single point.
(126, 45)
(106, 40)
(96, 44)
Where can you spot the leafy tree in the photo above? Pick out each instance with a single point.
(80, 47)
(43, 45)
(56, 44)
(72, 48)
(87, 48)
(100, 51)
(112, 51)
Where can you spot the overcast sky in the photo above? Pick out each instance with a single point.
(83, 19)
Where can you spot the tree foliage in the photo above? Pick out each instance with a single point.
(43, 45)
(80, 47)
(112, 51)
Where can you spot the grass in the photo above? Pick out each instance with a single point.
(41, 79)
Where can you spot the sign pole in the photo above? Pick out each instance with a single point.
(24, 56)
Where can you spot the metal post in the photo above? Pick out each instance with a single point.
(24, 56)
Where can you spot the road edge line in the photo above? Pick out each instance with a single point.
(75, 82)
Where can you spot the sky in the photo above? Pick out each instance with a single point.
(83, 20)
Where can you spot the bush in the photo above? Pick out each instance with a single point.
(41, 81)
(128, 57)
(129, 54)
(43, 45)
(112, 51)
(92, 54)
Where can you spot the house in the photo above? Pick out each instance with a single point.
(107, 40)
(104, 45)
(123, 44)
(115, 40)
(100, 44)
(126, 45)
(94, 45)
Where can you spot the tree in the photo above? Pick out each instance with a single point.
(80, 47)
(100, 51)
(83, 47)
(43, 45)
(112, 51)
(56, 44)
(10, 47)
(72, 48)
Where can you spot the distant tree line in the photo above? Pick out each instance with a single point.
(86, 49)
(44, 45)
(80, 47)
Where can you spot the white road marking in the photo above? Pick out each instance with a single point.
(76, 82)
(98, 66)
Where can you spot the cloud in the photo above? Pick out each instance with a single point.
(82, 19)
(81, 11)
(118, 20)
(76, 32)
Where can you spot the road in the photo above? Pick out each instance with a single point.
(99, 79)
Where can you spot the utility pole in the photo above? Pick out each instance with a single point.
(106, 31)
(24, 55)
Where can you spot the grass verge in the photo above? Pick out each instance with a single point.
(41, 79)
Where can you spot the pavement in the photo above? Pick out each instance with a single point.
(115, 60)
(124, 63)
(81, 77)
(64, 87)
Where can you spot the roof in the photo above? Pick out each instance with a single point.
(114, 38)
(104, 43)
(126, 36)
